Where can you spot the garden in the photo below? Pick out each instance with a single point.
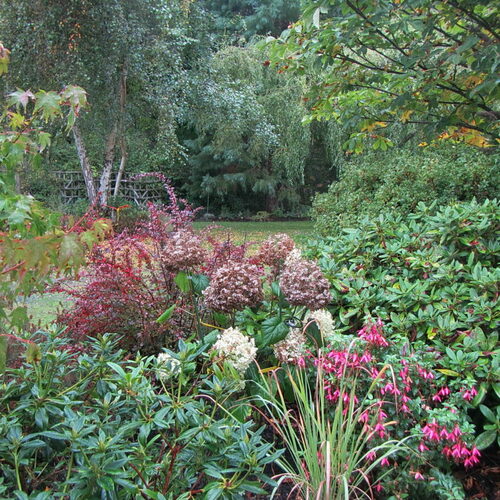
(310, 308)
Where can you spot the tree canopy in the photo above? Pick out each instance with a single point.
(372, 64)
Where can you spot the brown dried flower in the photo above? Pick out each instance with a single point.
(275, 250)
(183, 251)
(234, 286)
(303, 283)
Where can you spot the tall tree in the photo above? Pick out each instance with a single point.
(128, 56)
(431, 63)
(252, 17)
(247, 145)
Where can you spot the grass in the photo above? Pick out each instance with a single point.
(259, 231)
(43, 308)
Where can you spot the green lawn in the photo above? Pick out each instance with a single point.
(259, 231)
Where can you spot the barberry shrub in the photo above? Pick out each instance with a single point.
(132, 279)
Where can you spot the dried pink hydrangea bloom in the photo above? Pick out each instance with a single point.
(291, 349)
(275, 250)
(303, 283)
(234, 286)
(183, 251)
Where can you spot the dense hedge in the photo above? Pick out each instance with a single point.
(401, 178)
(430, 276)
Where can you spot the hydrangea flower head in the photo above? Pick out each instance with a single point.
(234, 286)
(183, 251)
(292, 347)
(274, 251)
(303, 283)
(323, 319)
(238, 349)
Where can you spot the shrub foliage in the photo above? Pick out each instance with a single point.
(399, 179)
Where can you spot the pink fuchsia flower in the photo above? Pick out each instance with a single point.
(422, 447)
(418, 476)
(455, 433)
(385, 462)
(425, 374)
(378, 488)
(390, 388)
(444, 392)
(473, 458)
(234, 286)
(372, 332)
(364, 417)
(380, 430)
(431, 431)
(371, 456)
(469, 394)
(459, 451)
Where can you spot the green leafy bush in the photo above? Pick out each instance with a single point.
(87, 423)
(399, 179)
(432, 276)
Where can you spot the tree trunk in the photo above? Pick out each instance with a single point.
(116, 134)
(85, 165)
(109, 156)
(123, 161)
(121, 126)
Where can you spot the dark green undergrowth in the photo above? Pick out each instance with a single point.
(88, 423)
(398, 179)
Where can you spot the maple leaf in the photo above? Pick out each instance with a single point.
(70, 251)
(20, 97)
(48, 103)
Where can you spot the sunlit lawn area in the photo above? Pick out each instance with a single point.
(259, 231)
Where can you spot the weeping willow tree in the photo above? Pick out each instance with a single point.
(244, 131)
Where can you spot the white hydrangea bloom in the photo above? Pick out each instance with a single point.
(236, 348)
(293, 256)
(323, 319)
(292, 347)
(167, 365)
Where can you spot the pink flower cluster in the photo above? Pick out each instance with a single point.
(337, 362)
(397, 390)
(454, 447)
(234, 286)
(469, 394)
(303, 284)
(372, 332)
(183, 251)
(275, 250)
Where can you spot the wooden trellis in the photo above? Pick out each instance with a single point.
(136, 191)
